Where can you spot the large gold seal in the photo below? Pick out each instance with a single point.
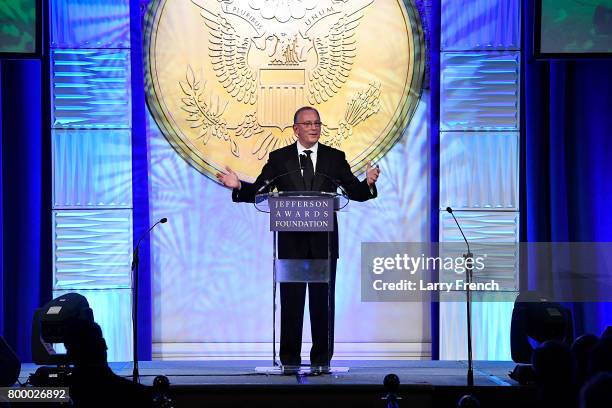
(224, 77)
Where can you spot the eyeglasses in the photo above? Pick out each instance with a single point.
(310, 124)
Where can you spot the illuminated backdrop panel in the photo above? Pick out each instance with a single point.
(91, 89)
(212, 267)
(92, 168)
(479, 162)
(479, 91)
(223, 81)
(480, 25)
(92, 249)
(91, 121)
(90, 23)
(479, 171)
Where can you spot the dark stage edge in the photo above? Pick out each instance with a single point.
(236, 384)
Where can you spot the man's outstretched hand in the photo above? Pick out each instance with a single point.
(372, 174)
(229, 179)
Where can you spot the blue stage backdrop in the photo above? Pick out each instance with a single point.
(568, 158)
(25, 270)
(111, 178)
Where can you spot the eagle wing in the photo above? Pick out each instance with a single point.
(229, 55)
(336, 52)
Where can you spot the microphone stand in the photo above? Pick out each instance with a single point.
(469, 259)
(337, 184)
(135, 263)
(268, 183)
(468, 304)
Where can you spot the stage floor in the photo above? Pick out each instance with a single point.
(236, 383)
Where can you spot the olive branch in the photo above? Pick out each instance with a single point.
(362, 105)
(205, 115)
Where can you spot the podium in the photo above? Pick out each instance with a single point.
(300, 211)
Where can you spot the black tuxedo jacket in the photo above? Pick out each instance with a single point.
(331, 163)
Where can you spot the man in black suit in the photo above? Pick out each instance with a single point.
(306, 165)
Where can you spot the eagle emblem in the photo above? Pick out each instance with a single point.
(276, 56)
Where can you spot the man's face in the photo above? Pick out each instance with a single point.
(307, 131)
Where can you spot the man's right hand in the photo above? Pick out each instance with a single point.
(229, 179)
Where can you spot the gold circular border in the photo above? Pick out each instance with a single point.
(379, 147)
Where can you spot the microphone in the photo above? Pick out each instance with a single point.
(267, 183)
(469, 259)
(135, 262)
(135, 255)
(334, 181)
(450, 211)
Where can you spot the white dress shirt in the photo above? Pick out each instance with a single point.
(313, 155)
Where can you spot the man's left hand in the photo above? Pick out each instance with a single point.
(372, 174)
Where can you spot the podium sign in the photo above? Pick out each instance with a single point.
(301, 214)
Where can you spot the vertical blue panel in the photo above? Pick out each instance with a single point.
(24, 204)
(435, 29)
(90, 24)
(91, 89)
(140, 179)
(92, 168)
(92, 249)
(480, 25)
(112, 310)
(479, 91)
(479, 170)
(1, 219)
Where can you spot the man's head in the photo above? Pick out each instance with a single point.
(307, 126)
(85, 344)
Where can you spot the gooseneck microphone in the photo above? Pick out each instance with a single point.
(335, 182)
(135, 262)
(135, 254)
(450, 211)
(469, 257)
(267, 183)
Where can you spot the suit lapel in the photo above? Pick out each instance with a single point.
(322, 167)
(292, 164)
